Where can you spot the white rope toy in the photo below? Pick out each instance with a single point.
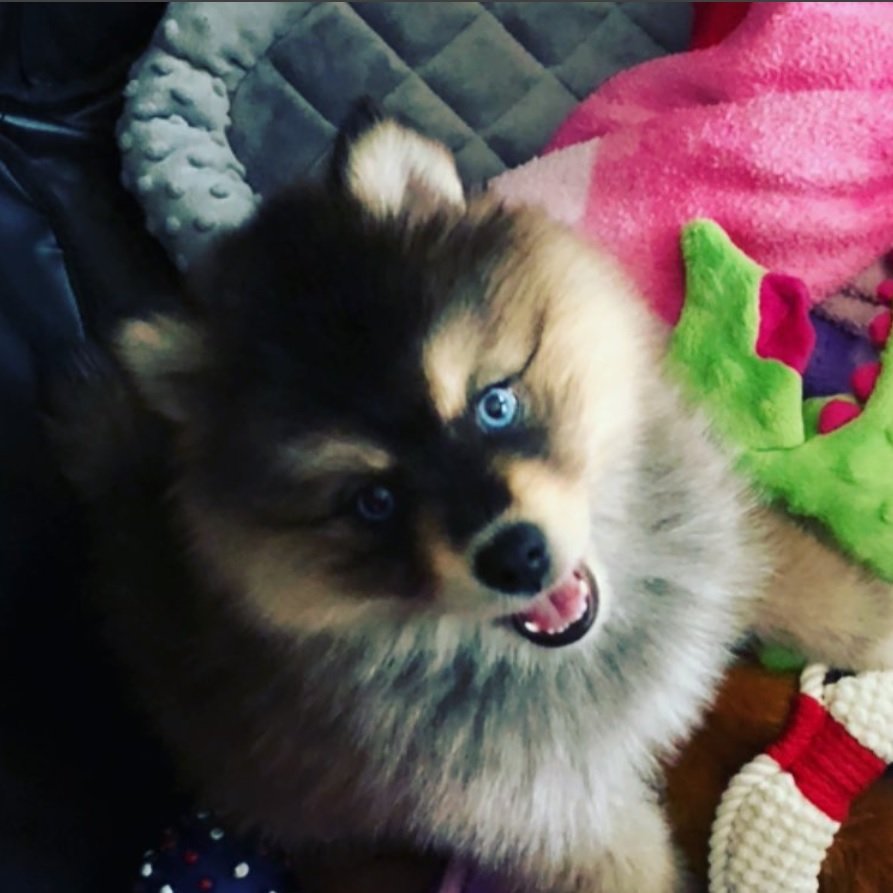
(778, 817)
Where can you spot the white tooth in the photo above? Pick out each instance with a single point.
(531, 627)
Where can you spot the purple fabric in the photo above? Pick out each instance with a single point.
(481, 883)
(837, 353)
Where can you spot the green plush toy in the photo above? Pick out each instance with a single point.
(842, 479)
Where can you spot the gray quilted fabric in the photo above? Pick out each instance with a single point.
(235, 99)
(491, 80)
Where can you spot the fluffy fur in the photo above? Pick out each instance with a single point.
(820, 602)
(322, 679)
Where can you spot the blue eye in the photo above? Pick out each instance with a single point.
(497, 408)
(375, 503)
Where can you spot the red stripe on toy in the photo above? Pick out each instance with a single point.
(807, 717)
(828, 765)
(834, 769)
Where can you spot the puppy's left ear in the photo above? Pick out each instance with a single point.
(165, 357)
(392, 169)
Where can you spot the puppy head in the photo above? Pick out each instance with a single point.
(393, 402)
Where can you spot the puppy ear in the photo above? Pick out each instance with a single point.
(163, 355)
(392, 169)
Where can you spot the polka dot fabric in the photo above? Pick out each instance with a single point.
(198, 856)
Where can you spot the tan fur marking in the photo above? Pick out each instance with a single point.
(445, 562)
(454, 584)
(322, 454)
(157, 353)
(596, 345)
(162, 344)
(391, 169)
(556, 503)
(449, 361)
(283, 578)
(143, 334)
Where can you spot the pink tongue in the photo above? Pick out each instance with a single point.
(558, 607)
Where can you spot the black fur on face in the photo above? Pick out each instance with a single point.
(337, 350)
(313, 322)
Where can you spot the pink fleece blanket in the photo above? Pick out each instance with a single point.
(782, 133)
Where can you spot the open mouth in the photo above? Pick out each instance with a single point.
(563, 614)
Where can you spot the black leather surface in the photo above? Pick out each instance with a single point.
(82, 788)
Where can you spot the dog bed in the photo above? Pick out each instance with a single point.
(232, 100)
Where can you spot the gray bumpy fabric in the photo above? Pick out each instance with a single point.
(232, 100)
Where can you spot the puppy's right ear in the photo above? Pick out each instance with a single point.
(363, 116)
(391, 169)
(164, 356)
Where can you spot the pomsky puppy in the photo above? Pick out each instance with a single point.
(404, 536)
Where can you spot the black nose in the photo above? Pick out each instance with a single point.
(516, 561)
